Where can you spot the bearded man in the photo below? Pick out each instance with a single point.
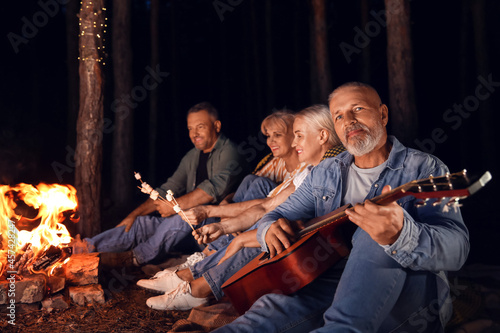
(394, 279)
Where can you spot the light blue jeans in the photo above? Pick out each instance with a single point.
(373, 293)
(253, 187)
(149, 238)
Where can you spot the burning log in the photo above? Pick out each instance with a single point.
(51, 256)
(26, 261)
(23, 259)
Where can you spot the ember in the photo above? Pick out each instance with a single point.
(40, 243)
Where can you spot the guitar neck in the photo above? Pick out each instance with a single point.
(456, 186)
(339, 214)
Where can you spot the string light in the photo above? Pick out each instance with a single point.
(90, 29)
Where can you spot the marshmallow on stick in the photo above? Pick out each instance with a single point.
(154, 195)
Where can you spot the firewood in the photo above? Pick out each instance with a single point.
(22, 262)
(50, 256)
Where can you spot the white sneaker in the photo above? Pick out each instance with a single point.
(162, 282)
(190, 261)
(178, 299)
(166, 280)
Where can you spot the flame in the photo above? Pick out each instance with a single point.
(51, 202)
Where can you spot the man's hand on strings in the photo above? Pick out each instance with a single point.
(280, 236)
(127, 222)
(208, 233)
(382, 223)
(197, 214)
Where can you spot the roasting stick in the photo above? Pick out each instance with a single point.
(177, 208)
(153, 194)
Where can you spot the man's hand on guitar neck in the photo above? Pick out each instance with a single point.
(280, 235)
(382, 223)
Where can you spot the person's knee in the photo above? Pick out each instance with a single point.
(262, 182)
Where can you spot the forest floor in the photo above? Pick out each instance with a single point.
(125, 310)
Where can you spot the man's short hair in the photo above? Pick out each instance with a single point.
(211, 110)
(352, 84)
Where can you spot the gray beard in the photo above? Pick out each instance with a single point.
(360, 147)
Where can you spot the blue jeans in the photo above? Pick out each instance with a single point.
(373, 293)
(219, 274)
(216, 274)
(220, 243)
(253, 187)
(149, 237)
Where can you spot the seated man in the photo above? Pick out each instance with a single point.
(394, 279)
(314, 140)
(206, 174)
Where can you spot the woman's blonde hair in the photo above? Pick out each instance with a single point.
(318, 117)
(283, 119)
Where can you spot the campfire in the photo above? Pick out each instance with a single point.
(36, 244)
(37, 266)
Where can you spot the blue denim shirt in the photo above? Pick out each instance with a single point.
(431, 239)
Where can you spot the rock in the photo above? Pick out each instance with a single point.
(82, 269)
(88, 294)
(30, 289)
(55, 284)
(55, 302)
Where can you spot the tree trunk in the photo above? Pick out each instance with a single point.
(122, 155)
(320, 47)
(153, 102)
(402, 109)
(88, 155)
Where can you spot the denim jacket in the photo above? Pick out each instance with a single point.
(431, 239)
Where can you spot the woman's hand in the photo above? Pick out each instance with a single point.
(208, 233)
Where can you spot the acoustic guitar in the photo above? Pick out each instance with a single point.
(321, 243)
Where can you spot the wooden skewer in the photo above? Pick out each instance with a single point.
(173, 205)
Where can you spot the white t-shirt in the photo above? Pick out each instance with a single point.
(275, 191)
(359, 182)
(301, 176)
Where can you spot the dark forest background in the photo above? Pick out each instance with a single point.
(248, 57)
